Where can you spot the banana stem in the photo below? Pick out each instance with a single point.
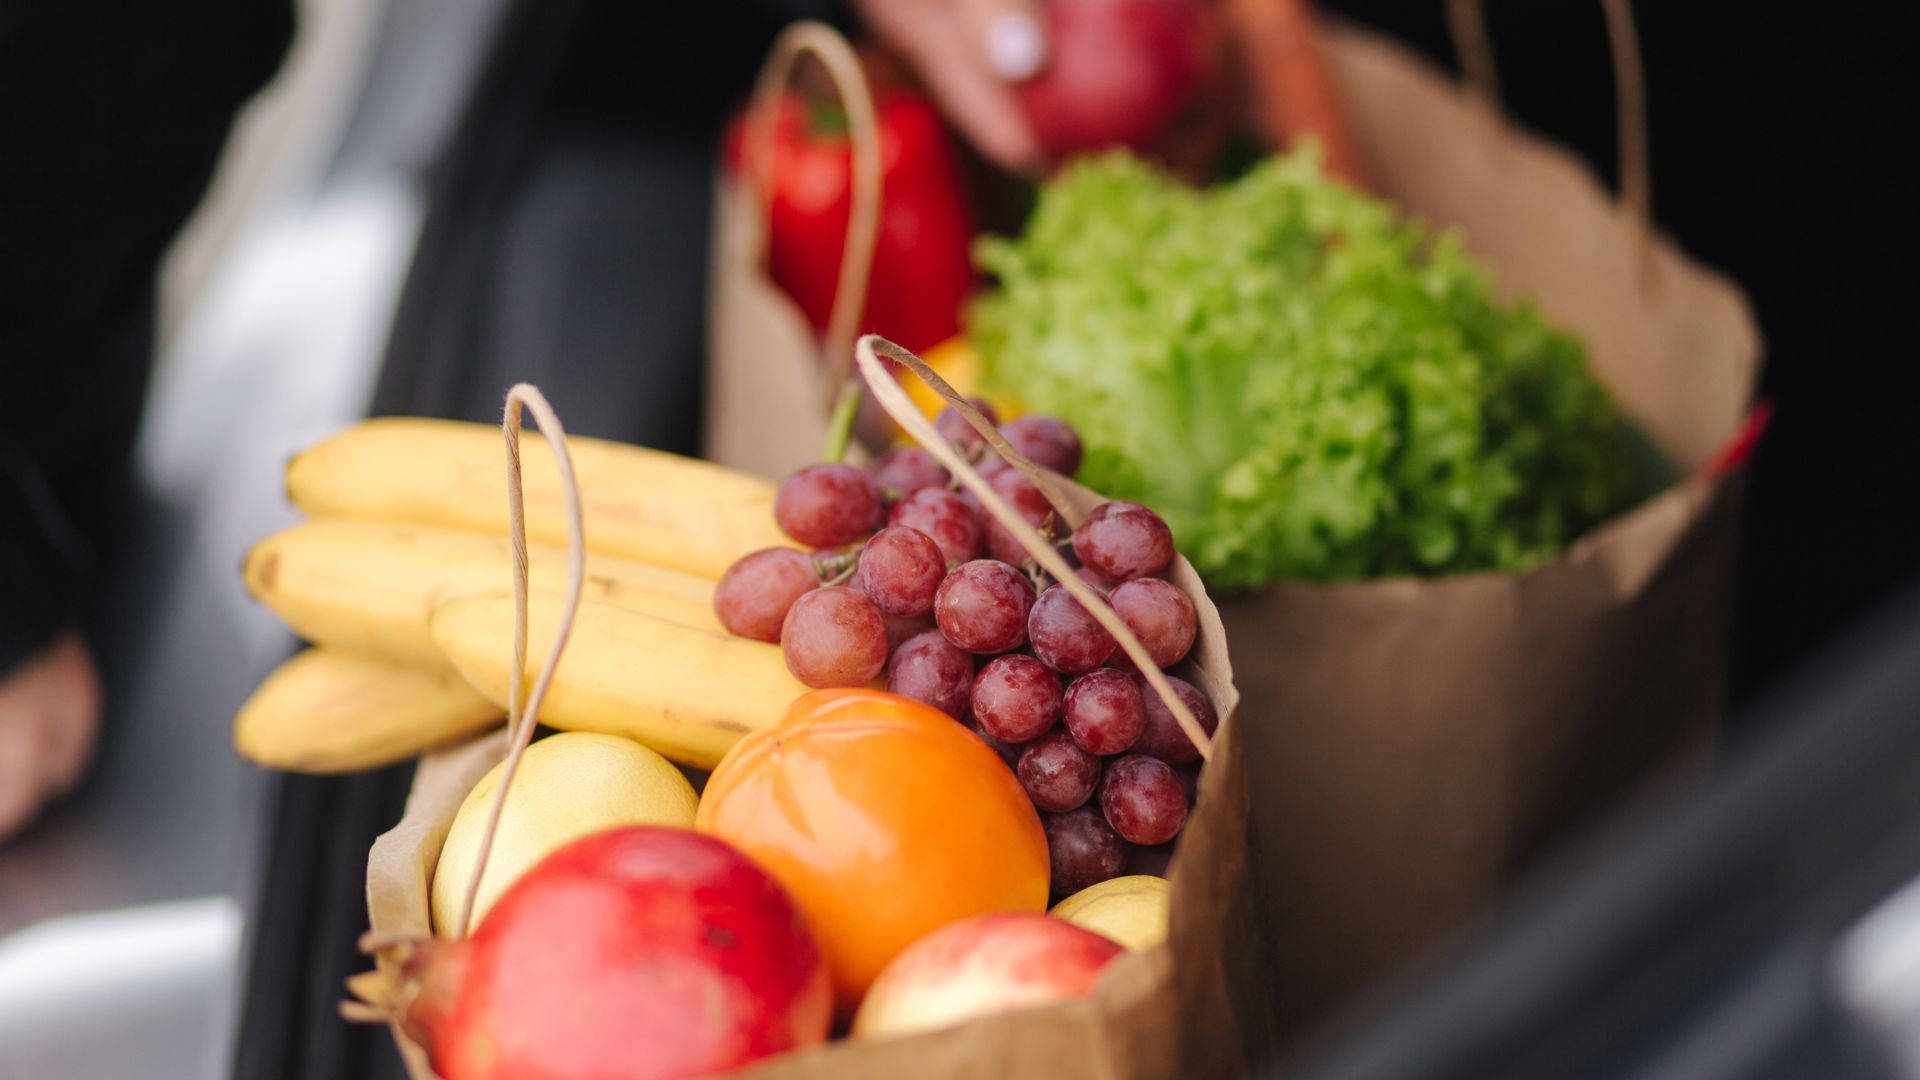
(840, 424)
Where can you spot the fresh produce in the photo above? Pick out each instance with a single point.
(640, 953)
(1159, 614)
(982, 606)
(1104, 712)
(567, 786)
(921, 273)
(1162, 737)
(688, 694)
(329, 712)
(883, 818)
(1052, 711)
(1131, 910)
(1023, 495)
(900, 568)
(946, 518)
(828, 504)
(980, 966)
(1304, 384)
(903, 470)
(367, 587)
(1064, 636)
(1083, 850)
(602, 942)
(754, 594)
(1046, 441)
(1121, 541)
(1056, 773)
(834, 636)
(954, 428)
(928, 668)
(1118, 72)
(640, 504)
(1016, 698)
(1142, 799)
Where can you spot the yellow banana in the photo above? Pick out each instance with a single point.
(367, 587)
(329, 712)
(687, 694)
(640, 504)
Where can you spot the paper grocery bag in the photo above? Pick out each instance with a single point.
(770, 378)
(1414, 744)
(764, 375)
(1193, 1006)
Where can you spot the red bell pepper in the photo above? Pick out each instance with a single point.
(921, 270)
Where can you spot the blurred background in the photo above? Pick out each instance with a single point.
(306, 214)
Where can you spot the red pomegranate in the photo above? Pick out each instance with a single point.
(639, 953)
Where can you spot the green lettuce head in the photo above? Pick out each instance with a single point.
(1305, 384)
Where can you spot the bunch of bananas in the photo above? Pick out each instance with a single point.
(401, 581)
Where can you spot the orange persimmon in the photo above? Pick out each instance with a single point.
(884, 818)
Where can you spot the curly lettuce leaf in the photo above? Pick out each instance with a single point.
(1305, 384)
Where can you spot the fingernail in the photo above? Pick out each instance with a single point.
(1015, 47)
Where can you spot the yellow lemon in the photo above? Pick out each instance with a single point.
(567, 785)
(1131, 910)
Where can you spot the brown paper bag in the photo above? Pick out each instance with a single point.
(763, 359)
(1192, 1007)
(1415, 743)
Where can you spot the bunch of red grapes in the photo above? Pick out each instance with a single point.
(908, 576)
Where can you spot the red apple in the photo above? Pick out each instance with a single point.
(1118, 72)
(980, 965)
(632, 954)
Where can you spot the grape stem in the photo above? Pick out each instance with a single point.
(837, 568)
(840, 424)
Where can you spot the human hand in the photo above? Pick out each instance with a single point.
(971, 52)
(49, 719)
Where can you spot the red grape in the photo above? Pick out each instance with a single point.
(982, 606)
(1103, 711)
(1016, 698)
(1124, 540)
(754, 594)
(1020, 493)
(1159, 614)
(1142, 799)
(834, 636)
(903, 470)
(899, 570)
(1064, 636)
(1083, 849)
(1057, 774)
(1164, 737)
(926, 667)
(900, 629)
(1046, 441)
(828, 504)
(944, 516)
(954, 428)
(1008, 752)
(1096, 580)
